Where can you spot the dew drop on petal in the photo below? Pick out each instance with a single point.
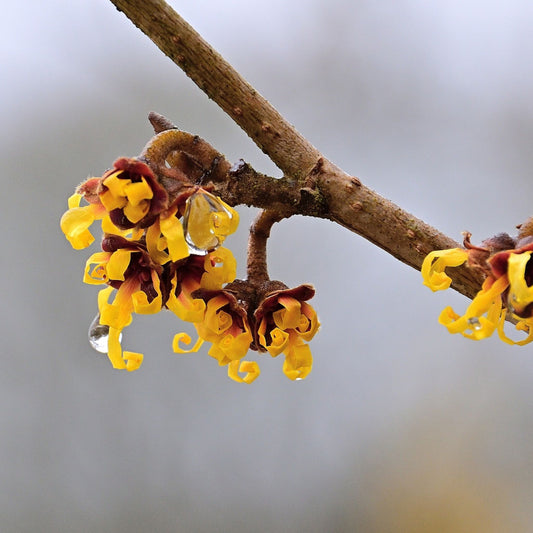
(199, 235)
(99, 335)
(475, 323)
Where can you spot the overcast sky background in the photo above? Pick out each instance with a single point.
(400, 426)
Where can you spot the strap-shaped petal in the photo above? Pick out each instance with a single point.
(520, 294)
(98, 274)
(186, 339)
(220, 267)
(250, 367)
(435, 263)
(298, 361)
(172, 230)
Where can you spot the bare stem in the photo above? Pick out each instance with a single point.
(256, 268)
(315, 185)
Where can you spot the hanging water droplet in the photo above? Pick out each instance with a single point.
(475, 323)
(204, 222)
(299, 379)
(99, 335)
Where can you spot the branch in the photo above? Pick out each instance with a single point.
(344, 198)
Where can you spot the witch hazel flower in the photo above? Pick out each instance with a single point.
(147, 260)
(163, 230)
(506, 293)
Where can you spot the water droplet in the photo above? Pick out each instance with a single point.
(201, 220)
(475, 323)
(299, 379)
(99, 335)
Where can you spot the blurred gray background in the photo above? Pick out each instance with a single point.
(400, 426)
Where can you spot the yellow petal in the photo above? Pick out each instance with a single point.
(103, 297)
(487, 301)
(520, 295)
(156, 244)
(75, 223)
(186, 308)
(280, 341)
(118, 263)
(133, 360)
(522, 325)
(289, 317)
(141, 305)
(186, 339)
(135, 213)
(173, 232)
(298, 362)
(138, 191)
(115, 350)
(74, 200)
(118, 314)
(235, 347)
(309, 324)
(116, 185)
(434, 264)
(216, 320)
(98, 274)
(220, 267)
(250, 367)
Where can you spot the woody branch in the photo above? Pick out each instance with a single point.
(312, 185)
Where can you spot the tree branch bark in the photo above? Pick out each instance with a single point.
(308, 175)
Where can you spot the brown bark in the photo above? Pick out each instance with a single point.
(312, 185)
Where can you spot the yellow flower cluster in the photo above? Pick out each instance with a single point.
(146, 259)
(507, 291)
(162, 251)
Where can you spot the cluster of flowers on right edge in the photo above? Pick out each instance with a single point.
(507, 291)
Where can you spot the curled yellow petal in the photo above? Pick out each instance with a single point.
(289, 316)
(74, 200)
(309, 324)
(138, 192)
(522, 325)
(473, 324)
(185, 339)
(220, 267)
(520, 294)
(118, 263)
(216, 321)
(135, 213)
(435, 263)
(172, 230)
(115, 350)
(250, 367)
(279, 341)
(98, 274)
(185, 307)
(156, 244)
(298, 361)
(133, 360)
